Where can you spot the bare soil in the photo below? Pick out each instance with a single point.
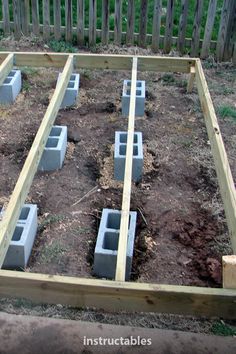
(181, 231)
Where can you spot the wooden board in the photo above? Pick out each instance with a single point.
(6, 67)
(118, 21)
(182, 26)
(105, 22)
(156, 25)
(130, 22)
(196, 28)
(116, 296)
(169, 26)
(80, 22)
(6, 16)
(229, 271)
(35, 17)
(46, 19)
(143, 23)
(223, 30)
(224, 175)
(16, 17)
(29, 169)
(68, 11)
(208, 28)
(92, 22)
(125, 209)
(57, 19)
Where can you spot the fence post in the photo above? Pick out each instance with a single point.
(6, 17)
(57, 19)
(118, 21)
(182, 26)
(92, 22)
(80, 22)
(16, 17)
(35, 17)
(208, 28)
(105, 21)
(130, 22)
(169, 26)
(143, 23)
(196, 28)
(68, 15)
(156, 25)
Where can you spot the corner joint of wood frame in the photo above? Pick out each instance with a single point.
(229, 271)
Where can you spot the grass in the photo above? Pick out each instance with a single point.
(61, 46)
(53, 252)
(170, 80)
(226, 111)
(50, 220)
(222, 329)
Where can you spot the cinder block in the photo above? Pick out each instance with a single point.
(55, 149)
(23, 238)
(107, 244)
(71, 91)
(140, 98)
(120, 154)
(10, 87)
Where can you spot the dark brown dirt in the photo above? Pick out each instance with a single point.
(180, 217)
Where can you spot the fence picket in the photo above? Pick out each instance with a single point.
(182, 26)
(80, 22)
(130, 22)
(208, 28)
(169, 26)
(35, 17)
(6, 16)
(46, 19)
(68, 17)
(156, 25)
(105, 21)
(16, 16)
(25, 17)
(196, 28)
(143, 23)
(92, 22)
(118, 21)
(57, 19)
(231, 33)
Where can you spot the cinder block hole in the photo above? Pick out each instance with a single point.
(52, 143)
(72, 78)
(71, 84)
(17, 233)
(138, 92)
(138, 84)
(56, 131)
(7, 80)
(24, 213)
(122, 150)
(113, 221)
(11, 73)
(110, 241)
(123, 138)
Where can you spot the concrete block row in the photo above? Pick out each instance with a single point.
(140, 98)
(11, 87)
(55, 149)
(72, 91)
(107, 244)
(23, 238)
(120, 155)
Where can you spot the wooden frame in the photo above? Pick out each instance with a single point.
(118, 294)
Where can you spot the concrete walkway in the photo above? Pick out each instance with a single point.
(39, 335)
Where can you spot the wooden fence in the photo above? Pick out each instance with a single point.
(24, 17)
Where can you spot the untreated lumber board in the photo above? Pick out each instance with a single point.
(229, 271)
(10, 217)
(115, 296)
(6, 67)
(124, 222)
(191, 79)
(224, 175)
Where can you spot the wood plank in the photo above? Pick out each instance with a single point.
(119, 296)
(130, 23)
(197, 28)
(46, 19)
(29, 169)
(92, 22)
(57, 19)
(118, 22)
(6, 16)
(191, 79)
(169, 26)
(182, 26)
(68, 15)
(6, 67)
(143, 23)
(222, 30)
(224, 175)
(80, 22)
(105, 22)
(16, 18)
(156, 25)
(229, 271)
(208, 28)
(35, 17)
(231, 33)
(25, 17)
(124, 222)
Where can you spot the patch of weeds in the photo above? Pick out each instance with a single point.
(226, 111)
(229, 75)
(209, 63)
(29, 71)
(222, 329)
(25, 85)
(50, 220)
(187, 143)
(81, 230)
(53, 252)
(61, 46)
(170, 80)
(223, 90)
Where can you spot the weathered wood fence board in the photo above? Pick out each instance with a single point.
(155, 23)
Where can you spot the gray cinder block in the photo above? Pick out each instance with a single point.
(71, 91)
(107, 244)
(23, 238)
(120, 154)
(10, 87)
(55, 149)
(140, 98)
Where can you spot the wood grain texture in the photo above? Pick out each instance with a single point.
(35, 17)
(229, 272)
(182, 26)
(6, 17)
(57, 19)
(156, 25)
(46, 19)
(92, 22)
(105, 22)
(6, 66)
(68, 11)
(80, 22)
(130, 22)
(169, 26)
(223, 30)
(118, 21)
(208, 28)
(143, 23)
(196, 28)
(17, 20)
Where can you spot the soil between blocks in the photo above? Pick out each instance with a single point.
(181, 231)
